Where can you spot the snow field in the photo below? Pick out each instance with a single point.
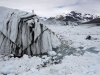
(88, 64)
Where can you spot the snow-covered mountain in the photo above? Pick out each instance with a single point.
(75, 16)
(23, 33)
(71, 18)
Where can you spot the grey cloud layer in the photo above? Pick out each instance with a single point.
(53, 7)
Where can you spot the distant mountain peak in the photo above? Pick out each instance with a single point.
(75, 16)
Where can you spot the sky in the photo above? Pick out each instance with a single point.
(50, 8)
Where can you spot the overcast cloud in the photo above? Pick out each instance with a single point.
(47, 8)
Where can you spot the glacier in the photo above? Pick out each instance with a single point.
(22, 33)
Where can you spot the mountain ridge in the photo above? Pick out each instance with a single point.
(74, 17)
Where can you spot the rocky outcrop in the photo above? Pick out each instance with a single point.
(22, 33)
(94, 21)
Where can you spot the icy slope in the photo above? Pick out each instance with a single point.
(26, 34)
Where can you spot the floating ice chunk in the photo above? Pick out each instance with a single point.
(52, 53)
(59, 54)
